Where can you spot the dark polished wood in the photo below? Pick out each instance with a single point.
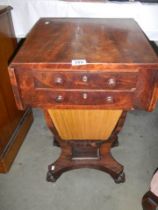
(14, 124)
(81, 63)
(85, 80)
(150, 201)
(115, 52)
(150, 198)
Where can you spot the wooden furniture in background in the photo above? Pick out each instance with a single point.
(14, 123)
(85, 74)
(150, 199)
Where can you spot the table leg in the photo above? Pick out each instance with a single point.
(101, 160)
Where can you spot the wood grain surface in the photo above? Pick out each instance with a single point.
(84, 124)
(119, 62)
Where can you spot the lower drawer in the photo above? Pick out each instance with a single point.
(119, 100)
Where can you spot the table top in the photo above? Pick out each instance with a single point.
(96, 41)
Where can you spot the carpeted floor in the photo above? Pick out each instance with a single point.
(25, 188)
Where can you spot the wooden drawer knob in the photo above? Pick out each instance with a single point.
(109, 99)
(111, 82)
(59, 98)
(85, 78)
(59, 80)
(85, 95)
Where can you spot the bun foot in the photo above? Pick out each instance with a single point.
(50, 177)
(120, 178)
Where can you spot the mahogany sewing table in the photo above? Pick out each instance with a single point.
(85, 74)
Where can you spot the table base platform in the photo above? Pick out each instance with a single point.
(95, 154)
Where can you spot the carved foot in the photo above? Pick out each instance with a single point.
(50, 177)
(120, 178)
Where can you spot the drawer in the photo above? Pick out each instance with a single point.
(85, 80)
(120, 100)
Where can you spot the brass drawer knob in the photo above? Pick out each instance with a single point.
(85, 78)
(109, 99)
(59, 98)
(59, 80)
(85, 95)
(111, 82)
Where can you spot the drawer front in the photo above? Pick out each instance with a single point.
(39, 90)
(76, 98)
(85, 80)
